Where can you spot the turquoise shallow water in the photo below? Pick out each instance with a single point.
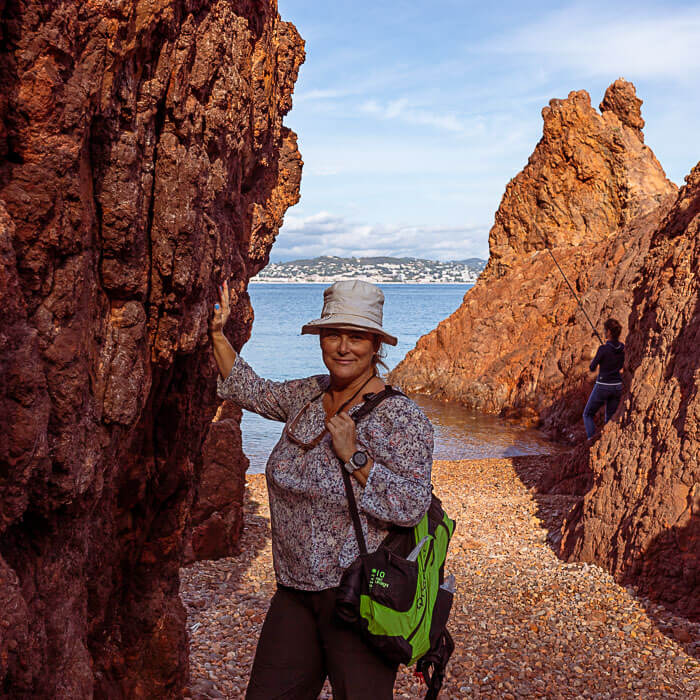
(277, 350)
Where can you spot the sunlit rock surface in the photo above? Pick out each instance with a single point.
(630, 245)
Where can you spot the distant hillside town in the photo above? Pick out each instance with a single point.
(384, 270)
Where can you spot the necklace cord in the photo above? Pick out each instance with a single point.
(355, 394)
(292, 424)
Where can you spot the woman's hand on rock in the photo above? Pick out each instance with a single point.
(222, 310)
(224, 354)
(342, 430)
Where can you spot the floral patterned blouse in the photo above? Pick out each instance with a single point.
(313, 539)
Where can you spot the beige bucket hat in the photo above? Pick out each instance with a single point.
(351, 304)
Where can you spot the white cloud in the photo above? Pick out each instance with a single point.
(402, 110)
(324, 233)
(327, 94)
(601, 40)
(392, 134)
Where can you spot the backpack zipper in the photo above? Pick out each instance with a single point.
(425, 607)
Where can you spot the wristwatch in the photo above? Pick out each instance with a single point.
(358, 460)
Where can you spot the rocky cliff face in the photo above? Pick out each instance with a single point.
(641, 517)
(143, 161)
(593, 193)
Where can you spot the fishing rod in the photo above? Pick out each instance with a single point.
(572, 289)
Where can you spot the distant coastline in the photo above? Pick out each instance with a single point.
(380, 270)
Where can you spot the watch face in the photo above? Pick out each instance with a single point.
(360, 458)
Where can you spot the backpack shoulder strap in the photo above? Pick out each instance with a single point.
(354, 512)
(374, 400)
(367, 407)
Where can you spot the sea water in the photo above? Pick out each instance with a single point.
(277, 350)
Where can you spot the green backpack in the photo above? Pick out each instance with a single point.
(397, 596)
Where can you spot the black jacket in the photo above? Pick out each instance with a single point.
(611, 358)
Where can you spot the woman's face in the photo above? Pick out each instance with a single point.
(347, 353)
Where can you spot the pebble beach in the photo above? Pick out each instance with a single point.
(525, 623)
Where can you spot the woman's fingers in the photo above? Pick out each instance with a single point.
(222, 309)
(342, 418)
(342, 430)
(216, 323)
(341, 421)
(225, 301)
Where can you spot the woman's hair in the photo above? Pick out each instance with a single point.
(379, 357)
(613, 326)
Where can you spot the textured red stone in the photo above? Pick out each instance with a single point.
(641, 516)
(518, 344)
(217, 515)
(143, 161)
(621, 99)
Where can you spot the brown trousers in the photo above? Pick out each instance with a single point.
(302, 643)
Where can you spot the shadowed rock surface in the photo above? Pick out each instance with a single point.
(217, 516)
(641, 517)
(143, 161)
(519, 344)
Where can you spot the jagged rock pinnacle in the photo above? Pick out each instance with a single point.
(621, 99)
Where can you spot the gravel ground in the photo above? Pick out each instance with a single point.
(525, 623)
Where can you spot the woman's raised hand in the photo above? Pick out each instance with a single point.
(222, 310)
(224, 354)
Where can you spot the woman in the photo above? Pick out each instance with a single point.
(607, 390)
(389, 454)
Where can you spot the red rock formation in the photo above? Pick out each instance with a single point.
(621, 99)
(217, 515)
(143, 161)
(518, 344)
(641, 518)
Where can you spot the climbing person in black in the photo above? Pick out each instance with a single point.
(609, 361)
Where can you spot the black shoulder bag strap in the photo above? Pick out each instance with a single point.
(367, 407)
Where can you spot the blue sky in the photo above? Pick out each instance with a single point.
(413, 116)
